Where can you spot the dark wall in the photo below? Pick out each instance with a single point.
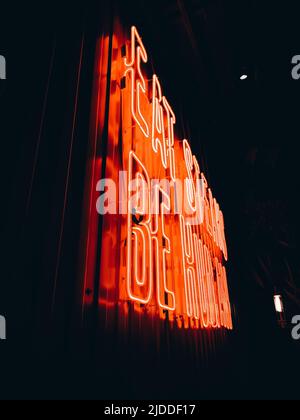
(45, 113)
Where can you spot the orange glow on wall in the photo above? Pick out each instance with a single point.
(163, 253)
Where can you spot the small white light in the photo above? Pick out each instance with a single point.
(278, 304)
(244, 77)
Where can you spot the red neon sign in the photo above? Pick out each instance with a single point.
(164, 249)
(196, 290)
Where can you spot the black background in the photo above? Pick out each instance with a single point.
(245, 135)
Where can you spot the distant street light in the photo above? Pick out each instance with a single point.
(279, 308)
(244, 77)
(278, 304)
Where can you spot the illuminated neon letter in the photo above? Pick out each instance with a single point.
(139, 98)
